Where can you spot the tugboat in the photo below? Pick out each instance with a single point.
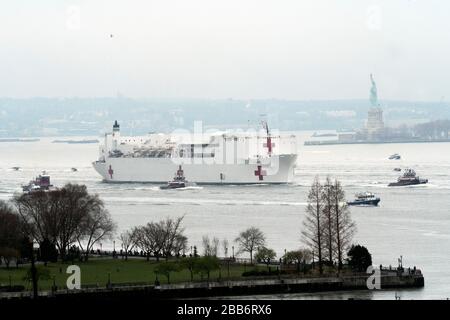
(409, 178)
(179, 181)
(364, 198)
(41, 183)
(395, 156)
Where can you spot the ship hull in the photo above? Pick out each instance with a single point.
(411, 183)
(372, 202)
(161, 170)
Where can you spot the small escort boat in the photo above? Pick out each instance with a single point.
(179, 181)
(395, 156)
(364, 198)
(409, 178)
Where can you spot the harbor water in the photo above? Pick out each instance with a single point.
(412, 222)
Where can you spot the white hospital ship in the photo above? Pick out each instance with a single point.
(221, 158)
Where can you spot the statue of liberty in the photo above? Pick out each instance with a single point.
(373, 93)
(375, 124)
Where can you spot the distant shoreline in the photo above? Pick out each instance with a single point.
(76, 141)
(333, 142)
(19, 140)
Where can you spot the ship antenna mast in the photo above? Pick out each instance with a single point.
(268, 143)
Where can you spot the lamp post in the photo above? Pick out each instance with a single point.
(34, 279)
(54, 288)
(232, 248)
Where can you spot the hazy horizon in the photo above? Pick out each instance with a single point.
(294, 50)
(445, 103)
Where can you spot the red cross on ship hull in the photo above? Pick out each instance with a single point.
(269, 145)
(110, 171)
(260, 173)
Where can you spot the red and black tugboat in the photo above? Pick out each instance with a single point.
(40, 183)
(409, 178)
(179, 181)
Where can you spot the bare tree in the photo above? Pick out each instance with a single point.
(72, 205)
(225, 246)
(58, 215)
(10, 226)
(96, 225)
(328, 222)
(180, 245)
(147, 238)
(313, 232)
(249, 240)
(38, 216)
(128, 240)
(164, 238)
(10, 233)
(210, 246)
(172, 234)
(344, 226)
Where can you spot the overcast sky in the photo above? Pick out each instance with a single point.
(242, 49)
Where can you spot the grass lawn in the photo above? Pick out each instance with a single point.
(97, 271)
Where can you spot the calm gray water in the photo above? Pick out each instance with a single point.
(411, 221)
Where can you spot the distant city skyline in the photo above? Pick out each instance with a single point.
(254, 49)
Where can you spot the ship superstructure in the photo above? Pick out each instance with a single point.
(222, 157)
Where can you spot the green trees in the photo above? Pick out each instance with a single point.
(189, 264)
(41, 273)
(359, 258)
(199, 265)
(265, 255)
(166, 268)
(205, 265)
(299, 257)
